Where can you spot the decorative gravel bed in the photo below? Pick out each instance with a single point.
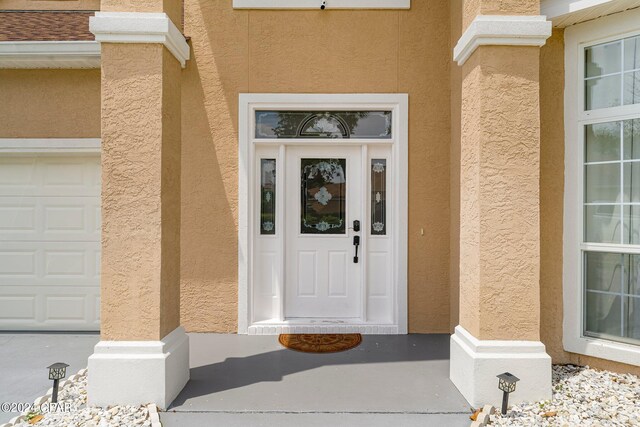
(581, 397)
(80, 415)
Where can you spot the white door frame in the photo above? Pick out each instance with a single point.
(248, 104)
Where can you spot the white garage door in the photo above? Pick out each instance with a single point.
(49, 242)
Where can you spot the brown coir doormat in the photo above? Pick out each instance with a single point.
(320, 343)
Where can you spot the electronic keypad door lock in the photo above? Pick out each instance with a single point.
(356, 225)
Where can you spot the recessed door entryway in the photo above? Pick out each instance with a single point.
(323, 188)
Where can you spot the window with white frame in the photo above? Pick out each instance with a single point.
(601, 237)
(610, 248)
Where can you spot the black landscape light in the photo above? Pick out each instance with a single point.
(506, 383)
(57, 371)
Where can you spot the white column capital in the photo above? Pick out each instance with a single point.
(139, 27)
(502, 30)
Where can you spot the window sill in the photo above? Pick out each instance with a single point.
(315, 4)
(603, 349)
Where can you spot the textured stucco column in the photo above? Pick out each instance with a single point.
(143, 354)
(499, 204)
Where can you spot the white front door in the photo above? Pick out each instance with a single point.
(323, 276)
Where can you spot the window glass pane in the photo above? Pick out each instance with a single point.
(268, 196)
(603, 314)
(603, 59)
(632, 182)
(631, 320)
(603, 142)
(612, 295)
(602, 92)
(602, 224)
(632, 286)
(378, 196)
(631, 139)
(323, 196)
(602, 183)
(323, 124)
(632, 53)
(631, 224)
(604, 271)
(631, 88)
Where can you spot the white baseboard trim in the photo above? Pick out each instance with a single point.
(139, 372)
(475, 364)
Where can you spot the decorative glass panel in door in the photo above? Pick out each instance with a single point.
(323, 196)
(268, 196)
(323, 124)
(378, 197)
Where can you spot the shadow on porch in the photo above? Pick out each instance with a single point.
(236, 377)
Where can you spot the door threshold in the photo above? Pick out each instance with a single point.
(320, 326)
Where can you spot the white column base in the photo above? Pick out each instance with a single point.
(139, 372)
(475, 364)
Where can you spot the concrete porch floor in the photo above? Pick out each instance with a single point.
(239, 380)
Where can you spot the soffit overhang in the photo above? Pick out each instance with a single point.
(564, 13)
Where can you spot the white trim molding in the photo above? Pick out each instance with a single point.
(316, 4)
(139, 372)
(475, 363)
(577, 38)
(50, 54)
(50, 145)
(138, 27)
(501, 30)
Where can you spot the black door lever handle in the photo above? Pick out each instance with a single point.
(356, 243)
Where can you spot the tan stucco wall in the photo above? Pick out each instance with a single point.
(499, 231)
(173, 8)
(310, 51)
(551, 207)
(471, 8)
(140, 192)
(49, 4)
(454, 173)
(49, 103)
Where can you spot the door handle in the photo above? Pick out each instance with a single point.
(356, 243)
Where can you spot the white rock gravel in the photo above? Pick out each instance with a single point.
(581, 397)
(82, 415)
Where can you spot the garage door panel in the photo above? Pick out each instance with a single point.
(17, 218)
(50, 242)
(70, 262)
(65, 307)
(49, 308)
(47, 218)
(16, 262)
(50, 176)
(18, 307)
